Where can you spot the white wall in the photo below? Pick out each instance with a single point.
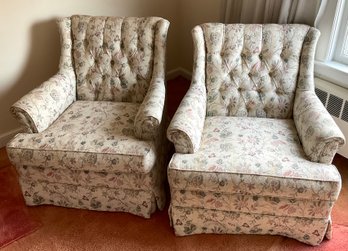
(192, 13)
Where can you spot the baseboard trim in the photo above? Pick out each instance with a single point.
(5, 137)
(171, 74)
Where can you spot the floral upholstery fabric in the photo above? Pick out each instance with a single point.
(133, 180)
(150, 112)
(89, 135)
(113, 56)
(255, 204)
(91, 147)
(252, 69)
(250, 75)
(318, 131)
(138, 202)
(97, 128)
(66, 58)
(185, 129)
(251, 166)
(260, 142)
(256, 157)
(187, 221)
(40, 107)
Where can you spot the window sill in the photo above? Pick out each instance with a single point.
(332, 71)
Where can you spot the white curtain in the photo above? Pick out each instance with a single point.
(274, 11)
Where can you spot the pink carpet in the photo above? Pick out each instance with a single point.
(15, 221)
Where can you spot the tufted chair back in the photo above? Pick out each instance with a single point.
(254, 70)
(113, 58)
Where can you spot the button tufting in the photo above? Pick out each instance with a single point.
(240, 89)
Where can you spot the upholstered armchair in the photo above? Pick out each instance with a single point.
(96, 130)
(254, 144)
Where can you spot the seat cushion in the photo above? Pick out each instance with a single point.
(253, 156)
(89, 136)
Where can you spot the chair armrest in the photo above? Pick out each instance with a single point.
(185, 129)
(41, 106)
(320, 136)
(149, 115)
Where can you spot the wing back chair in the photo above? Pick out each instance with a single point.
(253, 143)
(95, 131)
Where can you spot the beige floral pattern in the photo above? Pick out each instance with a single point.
(107, 150)
(260, 141)
(39, 108)
(318, 131)
(265, 205)
(133, 180)
(150, 112)
(187, 221)
(255, 157)
(138, 202)
(92, 142)
(113, 57)
(89, 135)
(185, 129)
(252, 69)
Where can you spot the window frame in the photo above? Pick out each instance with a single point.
(341, 49)
(327, 65)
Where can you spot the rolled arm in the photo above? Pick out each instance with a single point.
(40, 107)
(149, 115)
(150, 112)
(186, 127)
(320, 136)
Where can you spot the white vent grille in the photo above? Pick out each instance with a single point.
(334, 105)
(322, 95)
(344, 115)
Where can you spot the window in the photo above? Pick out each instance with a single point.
(332, 51)
(341, 50)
